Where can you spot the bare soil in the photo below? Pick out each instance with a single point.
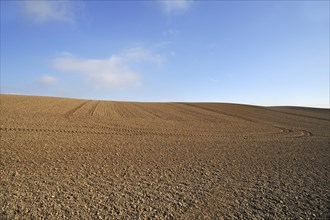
(85, 159)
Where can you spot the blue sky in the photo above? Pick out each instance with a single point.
(253, 52)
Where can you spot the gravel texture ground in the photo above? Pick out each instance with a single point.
(85, 159)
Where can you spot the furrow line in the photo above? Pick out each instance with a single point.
(72, 111)
(123, 132)
(94, 108)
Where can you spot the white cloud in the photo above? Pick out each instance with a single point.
(175, 6)
(47, 80)
(45, 11)
(114, 72)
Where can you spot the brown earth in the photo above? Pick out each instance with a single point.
(85, 159)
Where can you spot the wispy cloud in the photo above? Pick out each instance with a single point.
(114, 72)
(47, 80)
(139, 54)
(175, 6)
(171, 32)
(213, 79)
(46, 11)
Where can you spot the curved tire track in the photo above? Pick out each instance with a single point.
(111, 132)
(304, 133)
(122, 130)
(294, 133)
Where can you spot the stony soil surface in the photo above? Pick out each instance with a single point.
(85, 159)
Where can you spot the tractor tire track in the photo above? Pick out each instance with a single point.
(92, 112)
(126, 132)
(194, 114)
(290, 132)
(294, 133)
(220, 112)
(130, 131)
(299, 115)
(70, 113)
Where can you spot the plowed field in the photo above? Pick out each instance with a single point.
(85, 159)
